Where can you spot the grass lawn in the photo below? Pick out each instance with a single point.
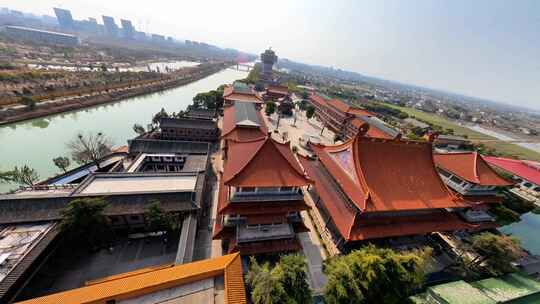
(504, 147)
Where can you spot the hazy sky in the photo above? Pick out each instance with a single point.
(486, 48)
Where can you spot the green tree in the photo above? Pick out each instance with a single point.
(28, 101)
(292, 271)
(265, 284)
(270, 108)
(158, 219)
(84, 222)
(375, 275)
(498, 252)
(23, 176)
(61, 162)
(159, 115)
(310, 112)
(89, 148)
(139, 129)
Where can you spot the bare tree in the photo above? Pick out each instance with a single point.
(24, 176)
(89, 148)
(139, 129)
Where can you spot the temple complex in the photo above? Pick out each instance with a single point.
(374, 188)
(240, 91)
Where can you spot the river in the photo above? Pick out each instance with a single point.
(36, 142)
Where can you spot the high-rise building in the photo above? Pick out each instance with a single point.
(111, 28)
(65, 19)
(268, 59)
(128, 31)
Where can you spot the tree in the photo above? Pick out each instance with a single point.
(158, 219)
(139, 129)
(375, 275)
(61, 162)
(89, 148)
(265, 285)
(304, 94)
(28, 101)
(23, 176)
(310, 112)
(83, 221)
(158, 116)
(270, 108)
(286, 282)
(499, 252)
(292, 271)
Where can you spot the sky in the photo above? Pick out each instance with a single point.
(482, 48)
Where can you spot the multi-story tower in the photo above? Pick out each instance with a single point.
(128, 31)
(268, 59)
(65, 19)
(111, 28)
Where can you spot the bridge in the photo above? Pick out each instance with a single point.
(241, 67)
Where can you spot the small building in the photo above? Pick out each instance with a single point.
(208, 114)
(260, 198)
(242, 92)
(526, 174)
(36, 35)
(275, 92)
(510, 288)
(449, 142)
(188, 129)
(242, 121)
(471, 178)
(371, 188)
(217, 280)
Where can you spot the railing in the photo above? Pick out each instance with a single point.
(267, 196)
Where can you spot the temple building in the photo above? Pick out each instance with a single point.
(374, 188)
(276, 92)
(260, 198)
(240, 91)
(471, 178)
(526, 174)
(218, 280)
(188, 129)
(242, 121)
(268, 59)
(346, 121)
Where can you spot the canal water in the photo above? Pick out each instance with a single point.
(36, 142)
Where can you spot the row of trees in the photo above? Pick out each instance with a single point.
(374, 274)
(84, 148)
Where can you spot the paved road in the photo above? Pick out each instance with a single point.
(314, 254)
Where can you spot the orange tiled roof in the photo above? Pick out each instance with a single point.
(471, 167)
(367, 168)
(278, 90)
(372, 130)
(262, 163)
(230, 94)
(230, 131)
(137, 284)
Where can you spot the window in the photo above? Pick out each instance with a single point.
(528, 185)
(134, 218)
(456, 180)
(246, 189)
(287, 189)
(268, 189)
(537, 189)
(444, 173)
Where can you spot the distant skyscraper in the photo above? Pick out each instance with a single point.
(65, 20)
(268, 59)
(110, 27)
(128, 31)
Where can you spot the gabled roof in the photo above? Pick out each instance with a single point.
(241, 92)
(528, 170)
(278, 89)
(341, 105)
(387, 175)
(471, 167)
(152, 280)
(242, 122)
(375, 128)
(262, 163)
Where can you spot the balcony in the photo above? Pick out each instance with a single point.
(246, 234)
(276, 196)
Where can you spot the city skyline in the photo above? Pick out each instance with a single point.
(482, 49)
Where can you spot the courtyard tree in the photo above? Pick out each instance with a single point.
(159, 219)
(375, 275)
(139, 129)
(498, 252)
(310, 112)
(84, 222)
(62, 162)
(270, 108)
(89, 148)
(286, 282)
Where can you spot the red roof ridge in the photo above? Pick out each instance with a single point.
(263, 142)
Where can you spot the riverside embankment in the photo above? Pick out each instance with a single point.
(98, 97)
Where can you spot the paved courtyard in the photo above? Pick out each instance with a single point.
(68, 270)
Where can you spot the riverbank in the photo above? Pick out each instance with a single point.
(79, 102)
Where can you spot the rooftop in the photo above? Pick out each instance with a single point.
(187, 123)
(41, 31)
(242, 122)
(159, 284)
(471, 167)
(139, 145)
(527, 170)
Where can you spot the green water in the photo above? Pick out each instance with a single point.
(527, 231)
(36, 142)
